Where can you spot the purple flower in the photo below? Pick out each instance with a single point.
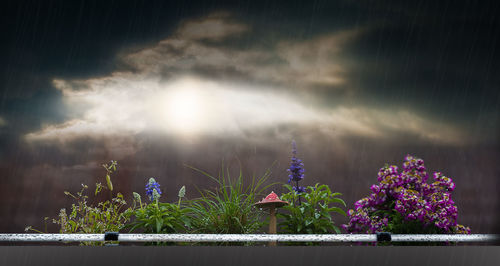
(296, 169)
(408, 195)
(299, 189)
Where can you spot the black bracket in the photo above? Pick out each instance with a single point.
(383, 237)
(111, 236)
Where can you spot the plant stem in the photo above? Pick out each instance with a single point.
(298, 193)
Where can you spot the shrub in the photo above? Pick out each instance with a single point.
(313, 214)
(107, 216)
(404, 203)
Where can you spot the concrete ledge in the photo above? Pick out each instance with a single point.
(189, 255)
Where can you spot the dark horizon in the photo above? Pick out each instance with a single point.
(157, 86)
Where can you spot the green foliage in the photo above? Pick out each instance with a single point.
(109, 170)
(159, 218)
(398, 225)
(86, 218)
(312, 214)
(107, 216)
(230, 208)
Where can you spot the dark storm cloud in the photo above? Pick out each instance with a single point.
(72, 39)
(456, 66)
(250, 88)
(321, 61)
(82, 39)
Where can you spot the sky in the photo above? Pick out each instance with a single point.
(159, 86)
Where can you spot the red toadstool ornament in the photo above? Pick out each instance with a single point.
(272, 202)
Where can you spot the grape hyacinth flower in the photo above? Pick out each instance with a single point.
(153, 189)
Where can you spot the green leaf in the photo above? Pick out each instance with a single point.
(336, 229)
(338, 210)
(108, 181)
(308, 222)
(73, 225)
(159, 224)
(337, 200)
(98, 188)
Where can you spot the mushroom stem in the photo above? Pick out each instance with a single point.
(272, 223)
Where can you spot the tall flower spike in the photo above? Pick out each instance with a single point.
(296, 169)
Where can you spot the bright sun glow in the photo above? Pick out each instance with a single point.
(182, 110)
